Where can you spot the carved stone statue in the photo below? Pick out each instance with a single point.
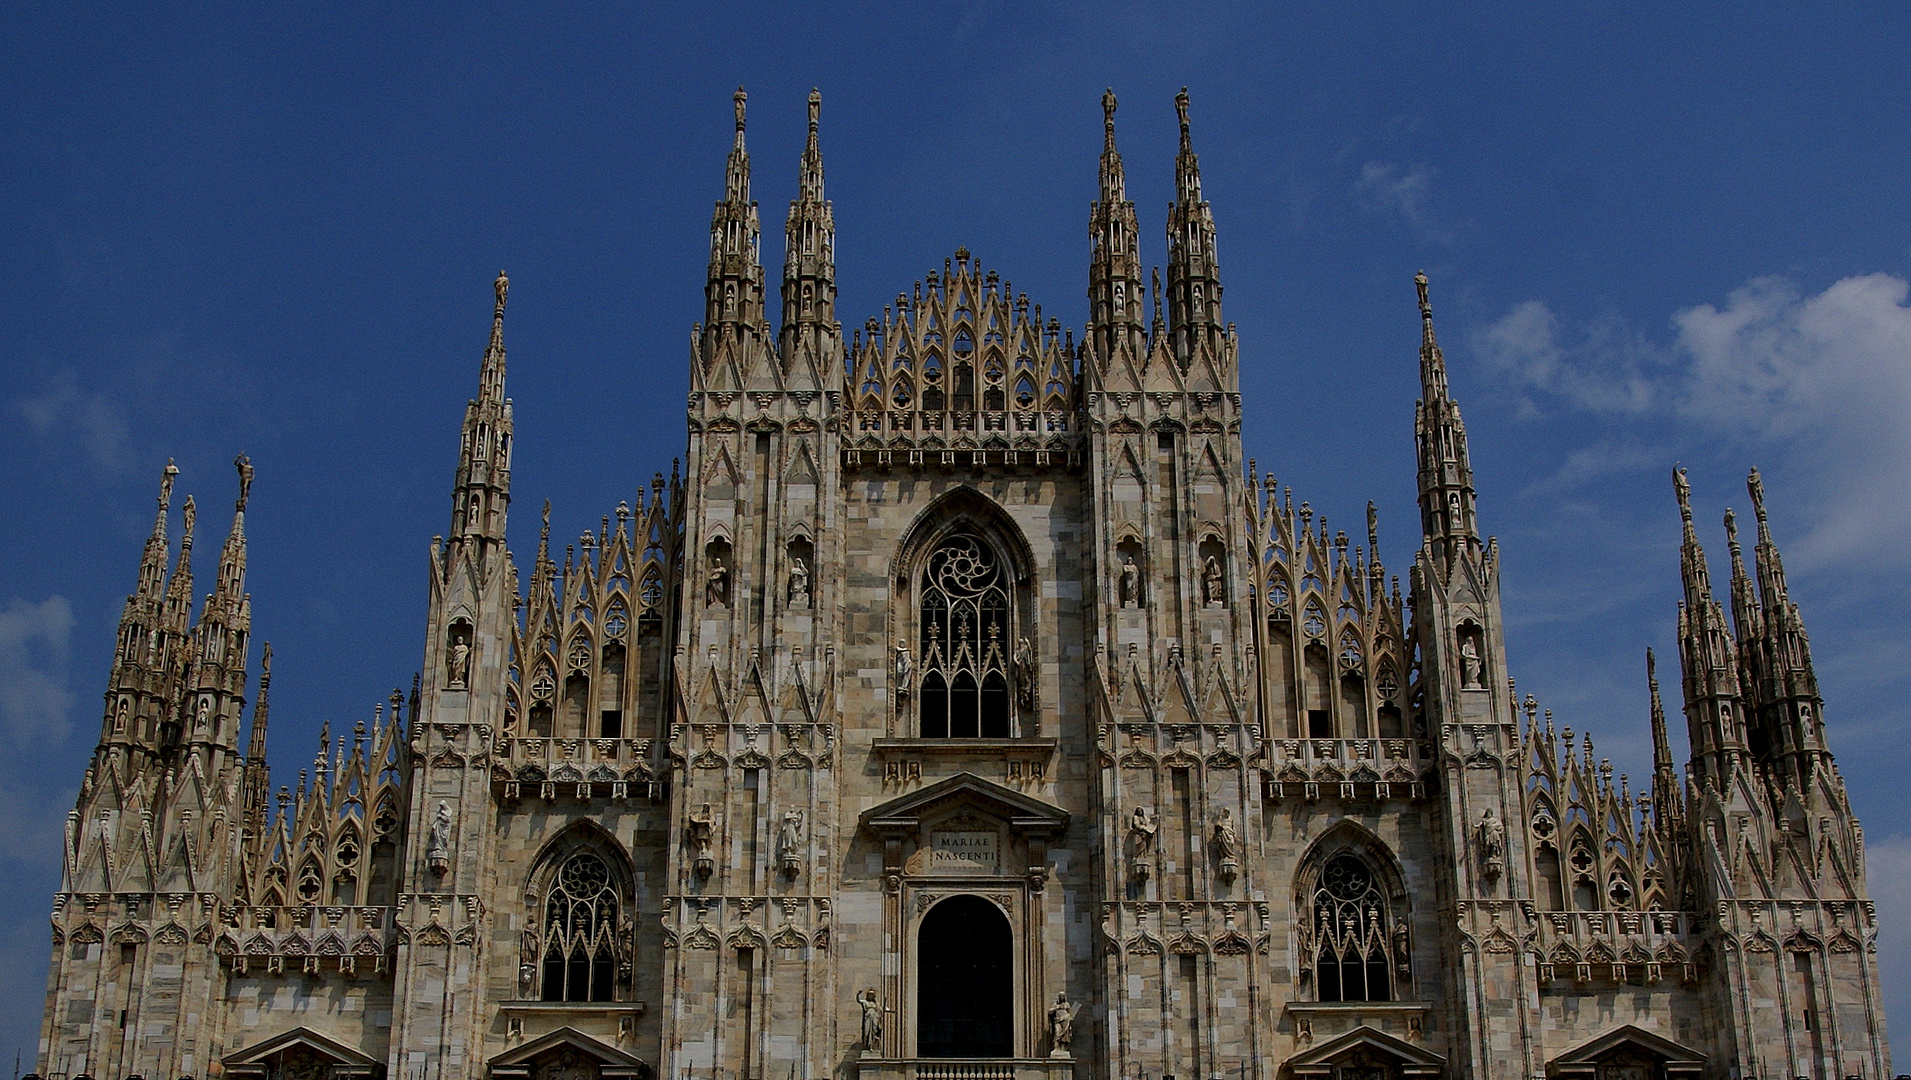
(1061, 1025)
(716, 587)
(1142, 827)
(458, 665)
(527, 963)
(1402, 956)
(799, 584)
(1472, 668)
(903, 667)
(702, 833)
(1025, 673)
(1492, 844)
(1212, 585)
(789, 842)
(1130, 581)
(438, 841)
(1227, 842)
(872, 1021)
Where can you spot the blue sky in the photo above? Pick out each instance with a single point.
(1656, 233)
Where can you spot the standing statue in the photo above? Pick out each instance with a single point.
(1212, 584)
(1227, 842)
(1025, 673)
(1130, 581)
(1142, 827)
(789, 842)
(872, 1021)
(1492, 845)
(527, 963)
(1061, 1025)
(903, 667)
(458, 665)
(438, 840)
(702, 833)
(799, 584)
(716, 588)
(1472, 668)
(1402, 956)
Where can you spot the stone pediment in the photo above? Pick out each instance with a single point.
(345, 1061)
(1409, 1060)
(611, 1063)
(1023, 813)
(1584, 1059)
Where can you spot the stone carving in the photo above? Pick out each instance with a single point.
(716, 586)
(1213, 586)
(458, 664)
(1025, 673)
(872, 1032)
(1472, 668)
(527, 963)
(1402, 955)
(702, 834)
(789, 843)
(799, 583)
(904, 666)
(1492, 845)
(1142, 828)
(1061, 1025)
(1227, 844)
(1130, 581)
(438, 841)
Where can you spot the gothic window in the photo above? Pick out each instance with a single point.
(964, 687)
(580, 932)
(1351, 934)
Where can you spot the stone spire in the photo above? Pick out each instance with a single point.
(152, 564)
(733, 295)
(1115, 291)
(482, 491)
(1447, 518)
(256, 775)
(811, 343)
(1789, 717)
(1194, 270)
(1708, 656)
(1665, 774)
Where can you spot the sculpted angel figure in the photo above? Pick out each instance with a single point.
(872, 1020)
(1061, 1023)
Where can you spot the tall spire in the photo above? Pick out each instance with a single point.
(1790, 720)
(1447, 513)
(1744, 603)
(1664, 772)
(1115, 292)
(1709, 656)
(1692, 566)
(230, 589)
(482, 490)
(1194, 270)
(733, 295)
(256, 775)
(811, 343)
(152, 564)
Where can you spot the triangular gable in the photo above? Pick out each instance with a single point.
(346, 1061)
(1413, 1060)
(1023, 813)
(1583, 1060)
(612, 1063)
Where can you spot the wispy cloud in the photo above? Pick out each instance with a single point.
(1888, 879)
(34, 644)
(1819, 386)
(1403, 192)
(65, 414)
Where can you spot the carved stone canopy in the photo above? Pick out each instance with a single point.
(1406, 1058)
(1675, 1059)
(520, 1062)
(903, 816)
(340, 1060)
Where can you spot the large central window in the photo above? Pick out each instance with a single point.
(964, 688)
(580, 930)
(1351, 934)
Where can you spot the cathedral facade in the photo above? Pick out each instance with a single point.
(966, 708)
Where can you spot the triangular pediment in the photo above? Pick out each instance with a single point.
(1423, 1061)
(1582, 1060)
(346, 1060)
(611, 1062)
(1024, 813)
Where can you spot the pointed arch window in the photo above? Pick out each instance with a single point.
(1351, 934)
(963, 688)
(580, 932)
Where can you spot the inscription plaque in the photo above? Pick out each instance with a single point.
(963, 853)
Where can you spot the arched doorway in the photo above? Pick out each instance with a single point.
(965, 990)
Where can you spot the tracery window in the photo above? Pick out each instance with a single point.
(580, 932)
(964, 687)
(1351, 934)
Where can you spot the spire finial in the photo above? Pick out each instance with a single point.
(244, 465)
(1181, 110)
(1755, 485)
(166, 477)
(739, 98)
(186, 519)
(502, 286)
(1420, 285)
(816, 110)
(1683, 489)
(1108, 117)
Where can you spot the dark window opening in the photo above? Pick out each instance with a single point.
(612, 724)
(964, 687)
(1320, 724)
(1351, 931)
(965, 992)
(580, 932)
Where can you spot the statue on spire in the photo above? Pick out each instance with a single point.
(503, 288)
(244, 465)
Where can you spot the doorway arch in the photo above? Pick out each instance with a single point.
(965, 988)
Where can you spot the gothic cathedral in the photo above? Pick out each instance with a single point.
(967, 708)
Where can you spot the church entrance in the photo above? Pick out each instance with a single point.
(965, 993)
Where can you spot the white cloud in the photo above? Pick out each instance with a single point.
(34, 698)
(1387, 188)
(1888, 880)
(1817, 388)
(65, 414)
